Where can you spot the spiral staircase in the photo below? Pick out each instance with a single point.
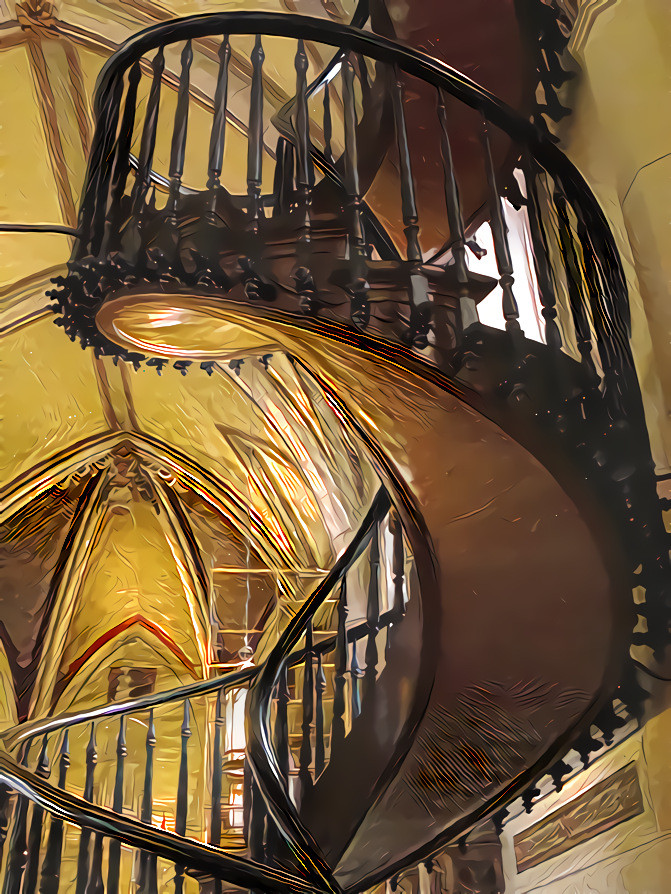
(514, 484)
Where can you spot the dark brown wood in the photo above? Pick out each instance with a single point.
(117, 807)
(469, 314)
(51, 867)
(305, 756)
(500, 234)
(320, 686)
(180, 128)
(218, 132)
(85, 834)
(255, 140)
(148, 140)
(340, 680)
(358, 286)
(541, 258)
(372, 619)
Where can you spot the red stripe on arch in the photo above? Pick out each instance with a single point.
(110, 634)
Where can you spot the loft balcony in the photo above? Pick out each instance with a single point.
(373, 337)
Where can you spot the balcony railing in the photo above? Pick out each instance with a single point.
(344, 235)
(345, 239)
(178, 766)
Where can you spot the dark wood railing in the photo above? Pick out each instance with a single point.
(572, 397)
(108, 760)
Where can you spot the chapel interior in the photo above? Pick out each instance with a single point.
(336, 455)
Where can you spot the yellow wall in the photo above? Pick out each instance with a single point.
(619, 135)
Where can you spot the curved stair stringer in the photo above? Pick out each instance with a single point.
(532, 626)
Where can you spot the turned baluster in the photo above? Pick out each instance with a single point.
(281, 732)
(218, 132)
(328, 123)
(179, 131)
(541, 259)
(305, 756)
(183, 790)
(85, 835)
(372, 618)
(320, 686)
(355, 675)
(148, 881)
(302, 276)
(6, 803)
(364, 80)
(121, 162)
(612, 351)
(95, 211)
(35, 835)
(215, 813)
(397, 565)
(148, 139)
(500, 235)
(117, 807)
(420, 305)
(340, 681)
(51, 868)
(18, 854)
(257, 821)
(255, 140)
(95, 882)
(575, 283)
(358, 286)
(467, 307)
(283, 181)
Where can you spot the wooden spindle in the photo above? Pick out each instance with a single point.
(148, 881)
(340, 681)
(355, 675)
(117, 807)
(575, 283)
(121, 163)
(320, 686)
(281, 732)
(148, 140)
(18, 853)
(305, 756)
(420, 305)
(328, 123)
(397, 564)
(183, 790)
(305, 286)
(51, 867)
(35, 834)
(358, 287)
(372, 618)
(255, 140)
(147, 808)
(467, 306)
(180, 128)
(257, 822)
(215, 813)
(283, 181)
(95, 884)
(6, 805)
(218, 132)
(364, 80)
(95, 212)
(500, 235)
(85, 835)
(544, 276)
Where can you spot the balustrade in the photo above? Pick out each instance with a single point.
(177, 761)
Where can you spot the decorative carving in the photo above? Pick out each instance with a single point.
(36, 15)
(601, 807)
